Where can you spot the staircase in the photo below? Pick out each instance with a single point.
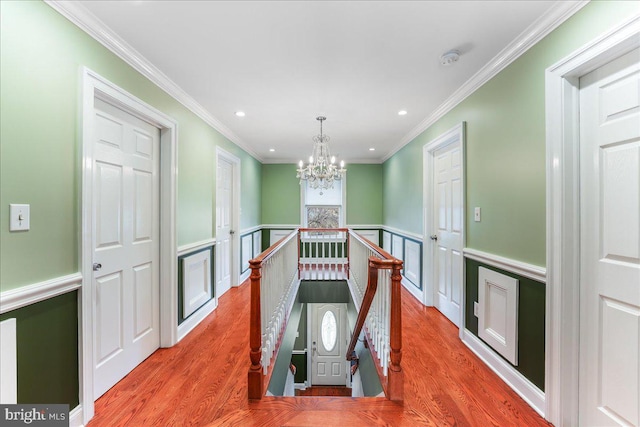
(374, 280)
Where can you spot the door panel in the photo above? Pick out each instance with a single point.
(610, 244)
(125, 231)
(224, 224)
(448, 222)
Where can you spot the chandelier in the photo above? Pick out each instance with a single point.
(322, 170)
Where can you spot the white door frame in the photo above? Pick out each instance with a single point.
(562, 324)
(235, 219)
(95, 86)
(455, 135)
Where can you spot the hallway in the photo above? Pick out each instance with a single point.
(202, 381)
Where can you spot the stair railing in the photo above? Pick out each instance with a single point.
(324, 253)
(274, 285)
(376, 288)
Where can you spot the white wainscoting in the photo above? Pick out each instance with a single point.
(276, 235)
(397, 248)
(196, 281)
(386, 241)
(498, 312)
(371, 235)
(520, 268)
(8, 362)
(257, 243)
(246, 242)
(412, 262)
(27, 295)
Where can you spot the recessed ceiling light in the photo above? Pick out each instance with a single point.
(272, 149)
(402, 112)
(240, 113)
(372, 149)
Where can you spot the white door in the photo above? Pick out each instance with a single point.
(125, 233)
(610, 244)
(447, 230)
(224, 223)
(328, 344)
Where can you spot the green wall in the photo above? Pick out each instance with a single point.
(281, 194)
(364, 194)
(47, 347)
(40, 78)
(505, 144)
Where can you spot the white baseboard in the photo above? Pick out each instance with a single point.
(514, 379)
(194, 320)
(75, 417)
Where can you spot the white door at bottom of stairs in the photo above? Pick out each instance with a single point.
(328, 344)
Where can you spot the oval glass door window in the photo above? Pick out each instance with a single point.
(329, 331)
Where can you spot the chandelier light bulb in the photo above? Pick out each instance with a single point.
(300, 164)
(342, 164)
(310, 159)
(333, 159)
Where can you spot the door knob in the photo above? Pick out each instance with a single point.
(96, 266)
(232, 232)
(434, 237)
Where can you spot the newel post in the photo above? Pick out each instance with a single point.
(255, 377)
(395, 374)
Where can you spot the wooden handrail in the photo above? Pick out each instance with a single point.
(372, 286)
(255, 377)
(395, 376)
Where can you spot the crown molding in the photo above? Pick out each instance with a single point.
(548, 22)
(90, 24)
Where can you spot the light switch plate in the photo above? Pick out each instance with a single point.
(476, 214)
(19, 217)
(475, 309)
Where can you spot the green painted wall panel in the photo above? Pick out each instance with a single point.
(280, 194)
(505, 163)
(531, 314)
(47, 341)
(364, 194)
(42, 55)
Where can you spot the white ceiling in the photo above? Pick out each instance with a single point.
(284, 63)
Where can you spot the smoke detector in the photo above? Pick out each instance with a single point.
(449, 57)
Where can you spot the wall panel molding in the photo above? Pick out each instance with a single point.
(30, 294)
(404, 233)
(197, 246)
(531, 271)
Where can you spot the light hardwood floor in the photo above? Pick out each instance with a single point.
(202, 381)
